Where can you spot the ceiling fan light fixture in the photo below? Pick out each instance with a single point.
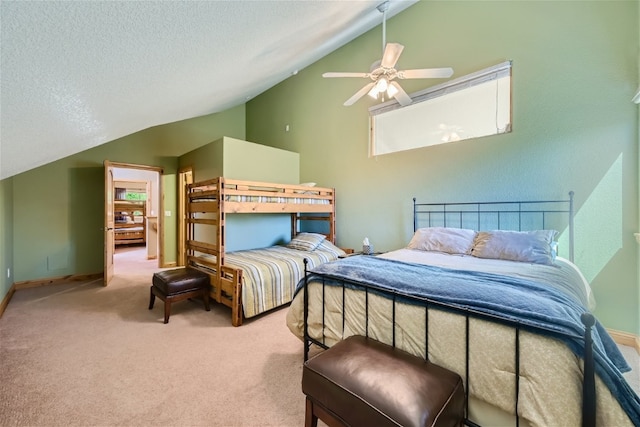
(383, 73)
(392, 91)
(382, 84)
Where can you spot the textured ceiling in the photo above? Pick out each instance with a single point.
(77, 74)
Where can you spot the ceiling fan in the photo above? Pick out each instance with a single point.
(383, 73)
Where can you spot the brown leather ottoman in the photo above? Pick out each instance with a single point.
(362, 382)
(177, 285)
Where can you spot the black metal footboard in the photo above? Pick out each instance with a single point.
(589, 396)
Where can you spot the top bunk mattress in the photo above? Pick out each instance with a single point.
(237, 191)
(276, 199)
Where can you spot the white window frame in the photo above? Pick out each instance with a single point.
(475, 105)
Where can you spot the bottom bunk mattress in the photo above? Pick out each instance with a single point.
(129, 235)
(548, 372)
(270, 275)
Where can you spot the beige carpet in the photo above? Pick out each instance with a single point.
(85, 355)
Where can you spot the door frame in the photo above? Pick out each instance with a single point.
(109, 166)
(109, 241)
(185, 177)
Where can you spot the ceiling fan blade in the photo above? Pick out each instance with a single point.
(426, 73)
(401, 96)
(359, 94)
(339, 74)
(391, 54)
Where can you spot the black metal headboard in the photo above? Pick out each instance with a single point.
(510, 215)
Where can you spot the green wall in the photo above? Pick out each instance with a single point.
(239, 159)
(638, 111)
(255, 162)
(205, 162)
(58, 209)
(575, 69)
(6, 235)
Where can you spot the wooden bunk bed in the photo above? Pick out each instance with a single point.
(208, 203)
(130, 224)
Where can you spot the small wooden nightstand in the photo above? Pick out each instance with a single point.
(348, 252)
(353, 253)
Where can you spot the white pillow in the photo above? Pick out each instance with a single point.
(305, 184)
(306, 241)
(327, 246)
(525, 246)
(442, 239)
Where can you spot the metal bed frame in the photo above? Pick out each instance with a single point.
(519, 215)
(446, 213)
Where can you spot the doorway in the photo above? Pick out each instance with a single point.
(185, 177)
(136, 226)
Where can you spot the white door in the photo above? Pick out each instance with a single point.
(109, 245)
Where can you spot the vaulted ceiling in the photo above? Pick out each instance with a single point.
(77, 74)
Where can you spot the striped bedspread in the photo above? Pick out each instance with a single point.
(270, 275)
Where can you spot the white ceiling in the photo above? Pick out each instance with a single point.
(77, 74)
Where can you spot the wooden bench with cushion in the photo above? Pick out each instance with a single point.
(177, 285)
(362, 382)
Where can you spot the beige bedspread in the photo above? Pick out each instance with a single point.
(550, 374)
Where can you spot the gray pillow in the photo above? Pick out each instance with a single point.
(524, 246)
(327, 246)
(442, 239)
(306, 241)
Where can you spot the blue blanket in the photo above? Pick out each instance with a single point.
(532, 304)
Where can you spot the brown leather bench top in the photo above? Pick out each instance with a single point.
(180, 280)
(363, 382)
